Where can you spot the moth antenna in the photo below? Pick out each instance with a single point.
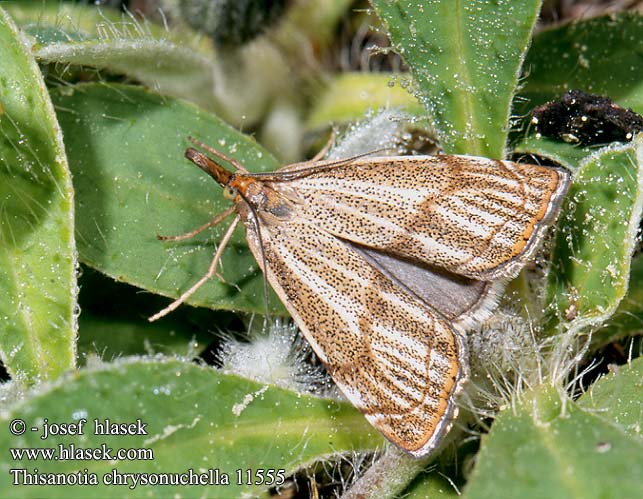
(212, 270)
(302, 170)
(266, 296)
(219, 154)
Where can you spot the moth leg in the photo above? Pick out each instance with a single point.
(309, 163)
(295, 170)
(218, 219)
(212, 271)
(218, 154)
(324, 150)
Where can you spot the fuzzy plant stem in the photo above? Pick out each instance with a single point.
(388, 476)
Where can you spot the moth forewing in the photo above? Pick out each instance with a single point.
(471, 216)
(346, 243)
(393, 357)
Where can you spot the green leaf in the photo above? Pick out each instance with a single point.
(589, 449)
(113, 322)
(628, 318)
(112, 338)
(197, 418)
(118, 44)
(350, 96)
(618, 397)
(240, 86)
(465, 57)
(598, 226)
(563, 153)
(52, 22)
(171, 69)
(37, 254)
(126, 150)
(600, 56)
(431, 485)
(60, 20)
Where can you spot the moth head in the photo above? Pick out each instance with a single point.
(241, 184)
(229, 192)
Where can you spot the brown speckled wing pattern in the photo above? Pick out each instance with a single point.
(395, 357)
(471, 216)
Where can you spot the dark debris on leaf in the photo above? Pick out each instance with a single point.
(586, 119)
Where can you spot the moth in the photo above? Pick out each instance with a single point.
(384, 262)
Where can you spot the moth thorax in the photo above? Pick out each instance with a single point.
(247, 186)
(271, 202)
